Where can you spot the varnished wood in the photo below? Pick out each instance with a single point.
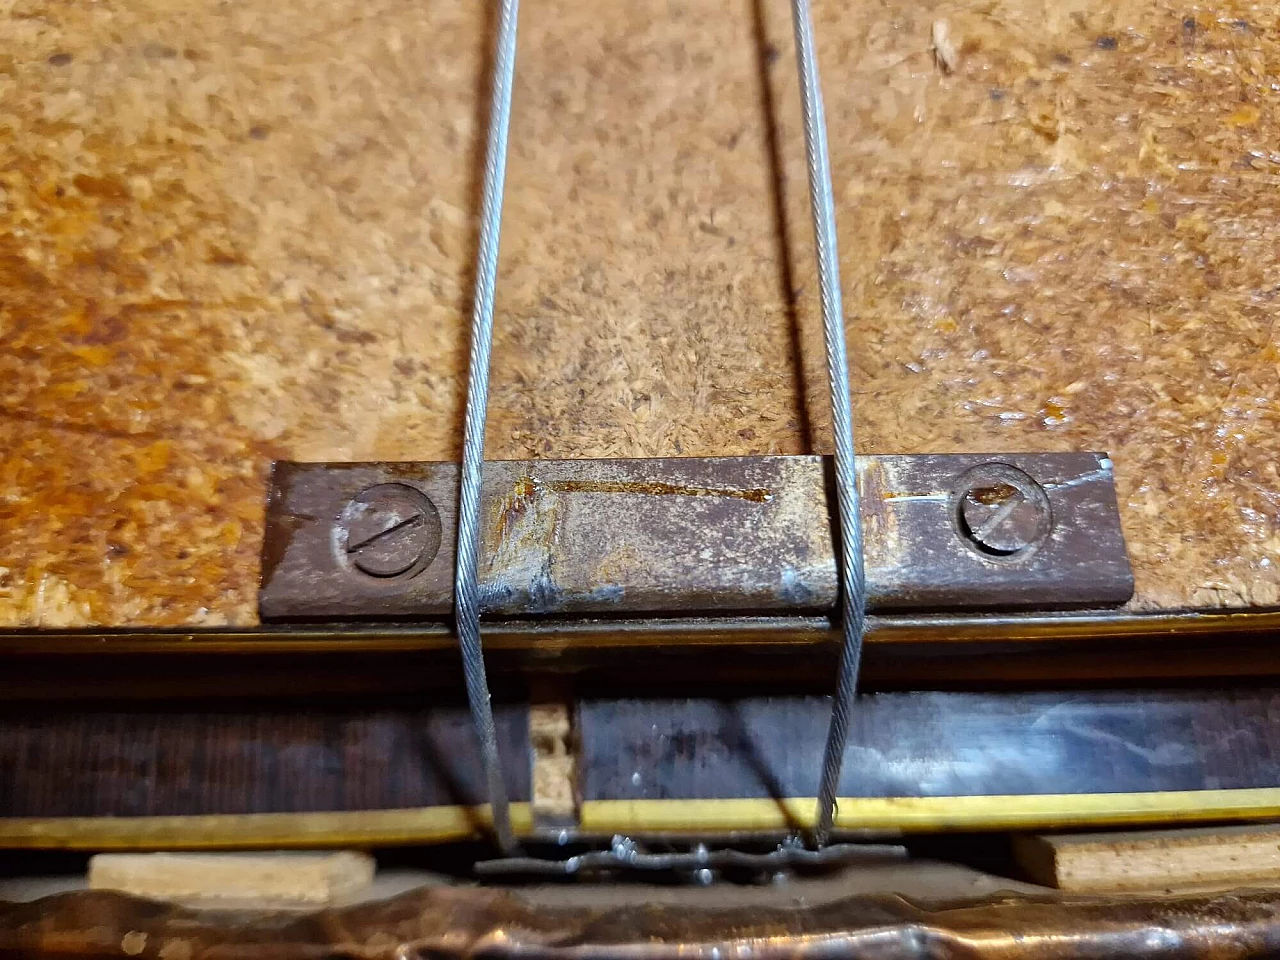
(933, 744)
(379, 772)
(271, 759)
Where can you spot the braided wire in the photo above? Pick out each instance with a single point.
(465, 583)
(853, 587)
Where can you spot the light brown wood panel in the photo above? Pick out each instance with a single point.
(232, 232)
(276, 877)
(1155, 860)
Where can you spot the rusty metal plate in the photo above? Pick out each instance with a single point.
(1015, 531)
(693, 536)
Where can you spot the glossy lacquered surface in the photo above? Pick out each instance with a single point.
(379, 771)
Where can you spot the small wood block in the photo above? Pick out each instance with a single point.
(1153, 859)
(304, 878)
(554, 771)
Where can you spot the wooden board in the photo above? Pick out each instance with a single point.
(273, 877)
(253, 238)
(1168, 860)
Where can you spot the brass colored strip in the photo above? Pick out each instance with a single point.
(256, 830)
(565, 637)
(926, 814)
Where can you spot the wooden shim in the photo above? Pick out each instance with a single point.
(554, 763)
(302, 878)
(1153, 859)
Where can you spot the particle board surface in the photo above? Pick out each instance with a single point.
(271, 877)
(1181, 860)
(236, 232)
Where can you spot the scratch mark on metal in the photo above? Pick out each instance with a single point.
(1093, 476)
(652, 488)
(916, 497)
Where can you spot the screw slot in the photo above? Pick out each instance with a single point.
(387, 531)
(1001, 512)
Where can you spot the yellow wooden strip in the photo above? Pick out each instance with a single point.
(378, 827)
(354, 828)
(932, 813)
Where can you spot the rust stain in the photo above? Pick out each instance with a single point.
(527, 489)
(994, 495)
(514, 505)
(658, 488)
(879, 517)
(522, 549)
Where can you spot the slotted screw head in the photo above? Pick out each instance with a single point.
(1002, 511)
(389, 530)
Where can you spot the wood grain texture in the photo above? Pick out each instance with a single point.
(218, 759)
(931, 745)
(229, 233)
(156, 761)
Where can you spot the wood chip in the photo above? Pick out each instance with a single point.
(944, 51)
(555, 767)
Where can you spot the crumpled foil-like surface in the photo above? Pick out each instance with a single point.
(440, 922)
